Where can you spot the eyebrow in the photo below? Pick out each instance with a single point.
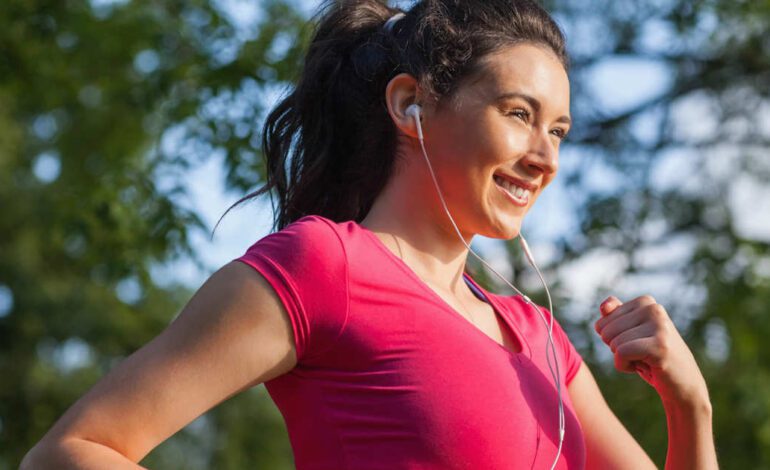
(532, 101)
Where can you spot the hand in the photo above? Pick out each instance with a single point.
(644, 339)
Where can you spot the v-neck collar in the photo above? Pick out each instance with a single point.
(512, 329)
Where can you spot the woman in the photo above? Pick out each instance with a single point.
(358, 315)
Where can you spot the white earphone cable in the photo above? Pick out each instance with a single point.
(413, 110)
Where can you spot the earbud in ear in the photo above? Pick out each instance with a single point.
(414, 111)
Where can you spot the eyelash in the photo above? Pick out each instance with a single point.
(518, 112)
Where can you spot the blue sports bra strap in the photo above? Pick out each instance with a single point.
(475, 290)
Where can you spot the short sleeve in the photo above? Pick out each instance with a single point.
(306, 265)
(570, 357)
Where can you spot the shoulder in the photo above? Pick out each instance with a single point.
(311, 225)
(306, 264)
(312, 236)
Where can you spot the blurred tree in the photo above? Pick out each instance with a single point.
(671, 189)
(92, 198)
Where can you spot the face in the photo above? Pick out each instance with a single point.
(497, 142)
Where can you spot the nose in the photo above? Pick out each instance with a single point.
(543, 155)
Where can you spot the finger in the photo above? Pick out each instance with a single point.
(624, 365)
(643, 370)
(609, 304)
(645, 330)
(624, 309)
(634, 304)
(620, 324)
(628, 355)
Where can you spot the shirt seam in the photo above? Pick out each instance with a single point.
(332, 422)
(333, 342)
(301, 355)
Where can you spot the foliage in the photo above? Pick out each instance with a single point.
(687, 168)
(93, 200)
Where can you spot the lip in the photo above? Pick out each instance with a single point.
(518, 182)
(514, 201)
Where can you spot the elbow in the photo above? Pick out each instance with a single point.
(38, 457)
(46, 454)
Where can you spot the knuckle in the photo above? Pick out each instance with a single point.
(657, 312)
(647, 299)
(667, 326)
(606, 338)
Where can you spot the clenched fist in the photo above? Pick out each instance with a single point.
(643, 338)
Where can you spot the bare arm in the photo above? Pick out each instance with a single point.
(643, 339)
(690, 435)
(233, 334)
(608, 442)
(610, 445)
(75, 454)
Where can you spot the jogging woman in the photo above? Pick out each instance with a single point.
(408, 133)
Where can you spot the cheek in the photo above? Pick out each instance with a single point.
(454, 141)
(510, 143)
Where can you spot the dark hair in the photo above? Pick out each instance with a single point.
(333, 130)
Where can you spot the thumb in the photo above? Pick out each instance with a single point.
(643, 369)
(609, 304)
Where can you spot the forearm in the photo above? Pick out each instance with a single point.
(76, 454)
(690, 436)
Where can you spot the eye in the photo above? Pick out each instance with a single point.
(520, 113)
(560, 133)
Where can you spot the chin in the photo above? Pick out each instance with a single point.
(505, 223)
(507, 230)
(512, 232)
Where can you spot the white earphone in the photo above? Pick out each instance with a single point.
(414, 111)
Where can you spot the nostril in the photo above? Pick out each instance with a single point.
(543, 162)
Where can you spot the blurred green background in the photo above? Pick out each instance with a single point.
(107, 106)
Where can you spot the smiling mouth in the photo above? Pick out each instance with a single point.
(516, 194)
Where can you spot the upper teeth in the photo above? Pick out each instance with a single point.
(517, 191)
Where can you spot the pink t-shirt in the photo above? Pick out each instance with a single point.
(390, 376)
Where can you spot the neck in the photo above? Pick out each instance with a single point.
(422, 236)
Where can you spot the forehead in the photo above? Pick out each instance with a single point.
(523, 68)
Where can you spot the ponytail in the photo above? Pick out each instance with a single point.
(330, 145)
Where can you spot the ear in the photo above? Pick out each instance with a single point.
(399, 94)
